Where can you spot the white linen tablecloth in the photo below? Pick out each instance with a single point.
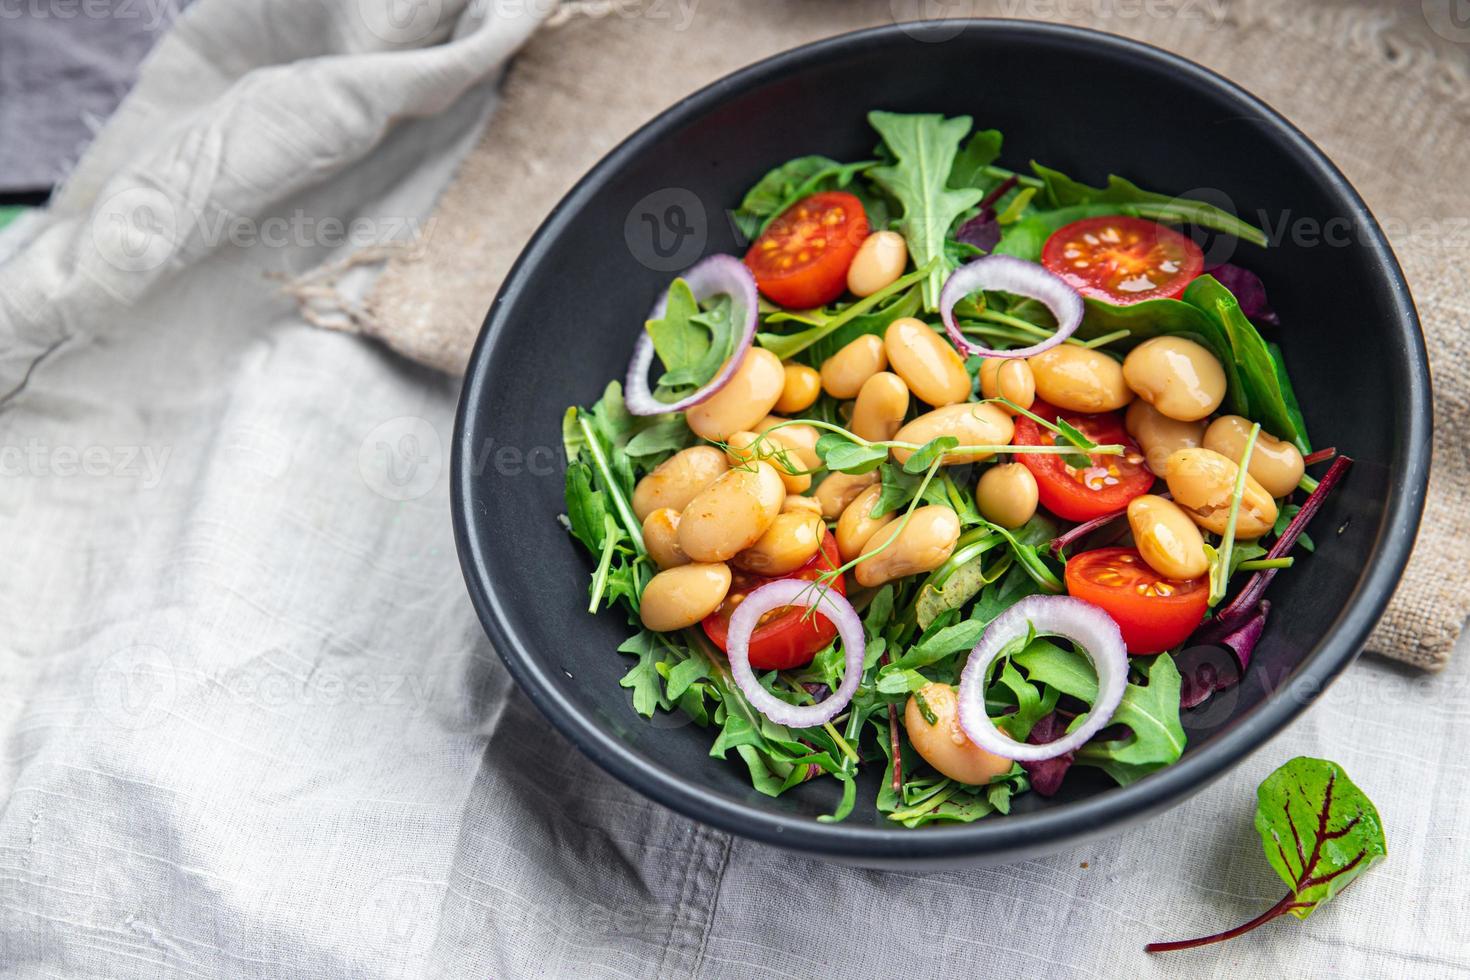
(249, 725)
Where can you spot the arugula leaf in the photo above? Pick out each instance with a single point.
(786, 346)
(879, 612)
(643, 678)
(906, 303)
(924, 148)
(1031, 704)
(1065, 670)
(586, 507)
(1058, 190)
(903, 681)
(1151, 712)
(946, 642)
(996, 599)
(1319, 831)
(692, 342)
(668, 434)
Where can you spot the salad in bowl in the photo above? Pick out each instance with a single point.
(959, 472)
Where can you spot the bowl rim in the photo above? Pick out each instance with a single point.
(1043, 830)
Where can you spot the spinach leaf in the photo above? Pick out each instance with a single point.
(924, 148)
(1319, 831)
(979, 152)
(785, 185)
(1058, 191)
(1151, 712)
(1026, 238)
(1261, 378)
(1254, 370)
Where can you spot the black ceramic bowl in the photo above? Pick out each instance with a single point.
(1087, 103)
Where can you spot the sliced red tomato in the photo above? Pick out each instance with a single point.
(786, 637)
(1080, 494)
(1154, 613)
(1123, 260)
(801, 259)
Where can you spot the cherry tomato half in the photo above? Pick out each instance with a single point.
(1154, 613)
(786, 637)
(1123, 260)
(801, 259)
(1082, 494)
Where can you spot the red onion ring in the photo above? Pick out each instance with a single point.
(1006, 274)
(707, 277)
(796, 592)
(1084, 624)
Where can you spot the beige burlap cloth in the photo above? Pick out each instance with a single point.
(1383, 94)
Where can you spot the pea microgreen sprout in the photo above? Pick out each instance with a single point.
(1220, 567)
(1081, 445)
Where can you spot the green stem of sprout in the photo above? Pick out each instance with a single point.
(1220, 581)
(620, 503)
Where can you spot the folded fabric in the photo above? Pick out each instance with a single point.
(1337, 70)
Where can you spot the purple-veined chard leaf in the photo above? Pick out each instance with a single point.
(1319, 831)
